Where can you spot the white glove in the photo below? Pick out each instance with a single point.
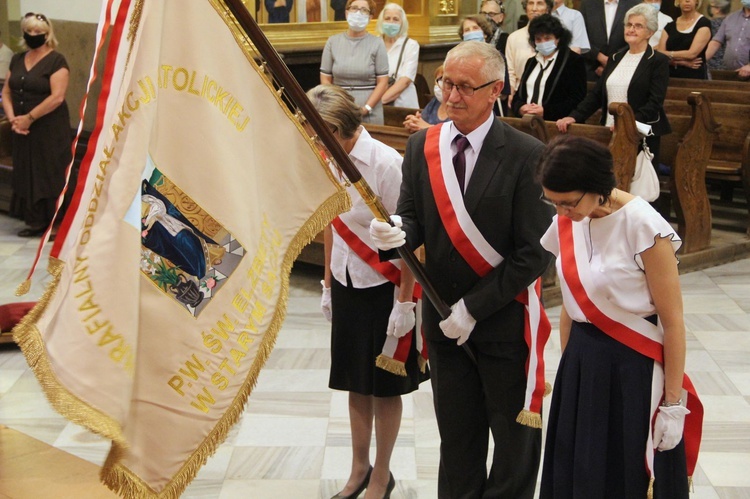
(385, 236)
(668, 426)
(402, 319)
(459, 324)
(325, 302)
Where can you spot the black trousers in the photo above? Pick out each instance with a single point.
(472, 400)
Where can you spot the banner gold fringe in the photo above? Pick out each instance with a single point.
(547, 389)
(691, 487)
(23, 288)
(529, 418)
(123, 481)
(422, 364)
(650, 493)
(393, 366)
(29, 339)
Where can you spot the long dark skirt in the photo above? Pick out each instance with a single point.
(358, 332)
(599, 425)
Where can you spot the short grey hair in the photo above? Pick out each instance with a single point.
(648, 13)
(404, 22)
(494, 64)
(723, 5)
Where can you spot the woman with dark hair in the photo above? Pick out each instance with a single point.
(622, 337)
(364, 307)
(554, 82)
(638, 75)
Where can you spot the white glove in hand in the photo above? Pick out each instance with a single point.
(402, 319)
(325, 302)
(385, 236)
(668, 426)
(459, 324)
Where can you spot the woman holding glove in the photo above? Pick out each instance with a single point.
(366, 301)
(622, 335)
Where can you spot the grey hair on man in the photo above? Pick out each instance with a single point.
(494, 64)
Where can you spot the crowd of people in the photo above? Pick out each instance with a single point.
(491, 206)
(488, 237)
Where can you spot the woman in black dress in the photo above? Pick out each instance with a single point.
(34, 102)
(684, 41)
(359, 301)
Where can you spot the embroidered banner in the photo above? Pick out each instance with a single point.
(170, 272)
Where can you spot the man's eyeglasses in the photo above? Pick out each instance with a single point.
(38, 16)
(566, 205)
(363, 10)
(465, 90)
(492, 14)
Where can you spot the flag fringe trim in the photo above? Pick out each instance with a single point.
(528, 418)
(30, 341)
(126, 483)
(393, 366)
(422, 363)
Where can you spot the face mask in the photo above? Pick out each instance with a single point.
(34, 41)
(546, 48)
(438, 92)
(391, 29)
(474, 36)
(656, 6)
(357, 21)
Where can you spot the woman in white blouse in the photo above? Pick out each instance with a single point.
(362, 304)
(638, 75)
(403, 57)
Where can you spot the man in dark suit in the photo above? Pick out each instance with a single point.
(492, 186)
(605, 27)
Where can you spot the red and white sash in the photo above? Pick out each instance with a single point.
(483, 258)
(395, 350)
(630, 330)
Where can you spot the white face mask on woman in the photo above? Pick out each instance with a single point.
(438, 92)
(357, 20)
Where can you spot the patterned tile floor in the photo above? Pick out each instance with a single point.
(292, 441)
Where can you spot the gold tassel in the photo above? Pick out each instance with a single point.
(422, 362)
(691, 486)
(393, 366)
(547, 389)
(23, 288)
(530, 419)
(650, 493)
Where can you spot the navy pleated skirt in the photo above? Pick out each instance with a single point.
(599, 423)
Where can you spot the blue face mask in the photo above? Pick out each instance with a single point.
(546, 48)
(390, 29)
(474, 36)
(656, 6)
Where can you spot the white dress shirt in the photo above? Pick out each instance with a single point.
(476, 140)
(380, 166)
(610, 10)
(574, 22)
(531, 81)
(408, 69)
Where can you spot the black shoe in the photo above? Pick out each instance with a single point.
(360, 489)
(31, 232)
(390, 487)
